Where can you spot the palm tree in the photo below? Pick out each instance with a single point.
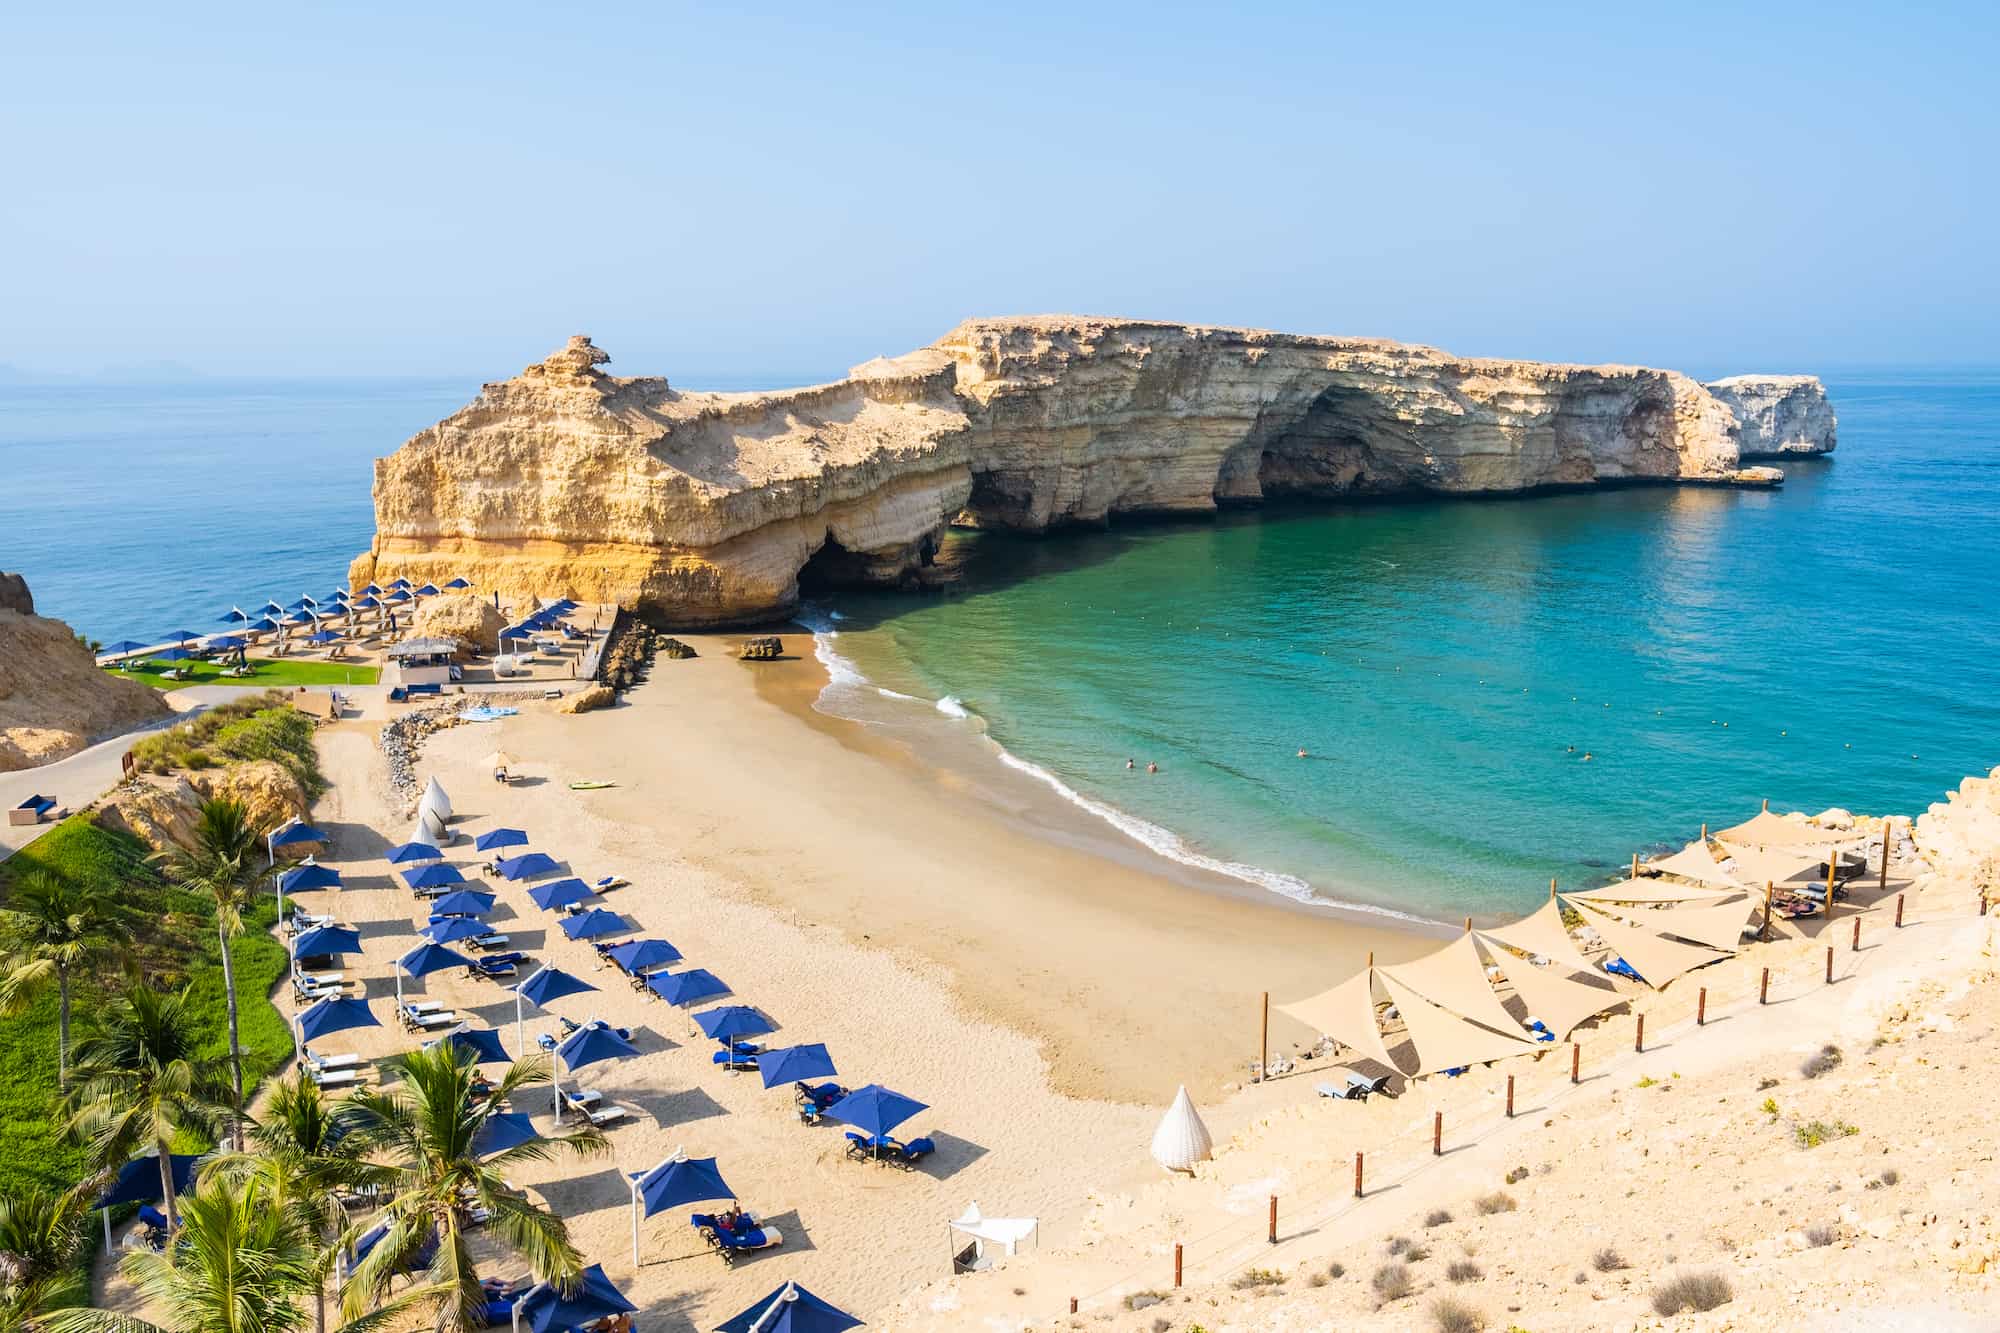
(223, 864)
(140, 1080)
(53, 928)
(421, 1137)
(39, 1234)
(238, 1264)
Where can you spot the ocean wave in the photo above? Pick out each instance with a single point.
(888, 693)
(1171, 845)
(953, 706)
(840, 671)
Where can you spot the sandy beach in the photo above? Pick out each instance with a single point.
(1042, 991)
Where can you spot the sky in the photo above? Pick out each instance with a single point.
(439, 189)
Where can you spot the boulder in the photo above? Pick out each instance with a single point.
(468, 619)
(672, 648)
(762, 648)
(268, 790)
(584, 700)
(14, 594)
(159, 812)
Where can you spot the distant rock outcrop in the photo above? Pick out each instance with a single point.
(1779, 415)
(54, 698)
(709, 508)
(467, 619)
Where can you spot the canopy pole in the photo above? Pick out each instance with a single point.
(1264, 1042)
(1832, 863)
(763, 1321)
(1635, 865)
(519, 1044)
(635, 1223)
(105, 1213)
(1552, 888)
(1764, 931)
(1888, 828)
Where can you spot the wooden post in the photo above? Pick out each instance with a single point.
(1510, 1096)
(1857, 934)
(1704, 833)
(1832, 862)
(1701, 1006)
(1888, 831)
(1639, 1035)
(1552, 888)
(1899, 911)
(1635, 865)
(1764, 931)
(1072, 1305)
(1357, 1175)
(1829, 964)
(1177, 1263)
(1437, 1133)
(1264, 1043)
(1767, 805)
(1468, 925)
(1575, 1062)
(1273, 1237)
(1764, 988)
(1371, 958)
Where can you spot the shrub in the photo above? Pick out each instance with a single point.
(1162, 1325)
(1317, 1280)
(1416, 1253)
(1497, 1202)
(1437, 1217)
(1336, 1269)
(1257, 1277)
(1397, 1244)
(1819, 1237)
(1815, 1132)
(1645, 1081)
(1823, 1061)
(1890, 1176)
(1691, 1291)
(1517, 1175)
(1608, 1260)
(1770, 1107)
(1455, 1316)
(1464, 1270)
(1143, 1300)
(1392, 1282)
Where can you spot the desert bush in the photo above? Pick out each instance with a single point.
(1336, 1269)
(1825, 1060)
(1455, 1316)
(1608, 1260)
(1397, 1244)
(1317, 1280)
(1142, 1300)
(1517, 1175)
(1497, 1202)
(1464, 1270)
(1890, 1176)
(1257, 1277)
(1691, 1291)
(1416, 1253)
(1437, 1217)
(1819, 1237)
(1815, 1132)
(1392, 1282)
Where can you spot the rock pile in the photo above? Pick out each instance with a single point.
(762, 648)
(403, 742)
(672, 648)
(627, 655)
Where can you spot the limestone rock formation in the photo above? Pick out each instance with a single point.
(469, 620)
(163, 812)
(588, 699)
(54, 699)
(762, 648)
(709, 508)
(1779, 415)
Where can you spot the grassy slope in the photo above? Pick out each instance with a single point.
(269, 672)
(176, 945)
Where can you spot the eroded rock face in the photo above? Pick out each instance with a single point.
(54, 699)
(705, 509)
(1779, 414)
(469, 620)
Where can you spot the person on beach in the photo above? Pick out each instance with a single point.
(1128, 765)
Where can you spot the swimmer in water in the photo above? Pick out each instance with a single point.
(1586, 757)
(1128, 765)
(1152, 768)
(1302, 752)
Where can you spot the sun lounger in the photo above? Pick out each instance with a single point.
(609, 1115)
(1618, 967)
(813, 1099)
(495, 968)
(486, 942)
(582, 1100)
(909, 1154)
(744, 1235)
(422, 1006)
(611, 882)
(335, 1078)
(743, 1057)
(326, 1063)
(34, 810)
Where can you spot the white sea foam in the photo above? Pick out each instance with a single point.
(888, 693)
(952, 706)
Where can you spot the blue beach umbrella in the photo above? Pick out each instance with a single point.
(433, 876)
(122, 647)
(588, 1045)
(689, 987)
(413, 851)
(790, 1309)
(482, 1044)
(425, 959)
(463, 902)
(224, 642)
(174, 655)
(323, 636)
(323, 940)
(545, 1310)
(546, 985)
(371, 590)
(732, 1021)
(503, 1130)
(678, 1180)
(299, 879)
(500, 837)
(458, 584)
(262, 626)
(397, 596)
(594, 924)
(366, 604)
(795, 1064)
(334, 1015)
(295, 833)
(179, 636)
(874, 1110)
(272, 607)
(517, 632)
(399, 583)
(523, 867)
(558, 894)
(301, 604)
(451, 929)
(237, 615)
(297, 618)
(428, 590)
(638, 955)
(139, 1179)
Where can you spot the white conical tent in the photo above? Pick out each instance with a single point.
(1718, 925)
(1454, 979)
(1655, 958)
(1559, 996)
(435, 799)
(1442, 1039)
(1541, 934)
(1347, 1014)
(1181, 1140)
(1696, 862)
(1654, 891)
(430, 829)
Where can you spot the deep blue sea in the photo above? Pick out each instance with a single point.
(1447, 665)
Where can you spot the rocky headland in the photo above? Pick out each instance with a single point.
(1779, 416)
(710, 508)
(54, 698)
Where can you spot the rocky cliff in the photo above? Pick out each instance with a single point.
(706, 508)
(1779, 415)
(54, 700)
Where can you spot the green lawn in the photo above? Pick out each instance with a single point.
(175, 946)
(265, 671)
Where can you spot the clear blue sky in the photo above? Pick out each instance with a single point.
(432, 188)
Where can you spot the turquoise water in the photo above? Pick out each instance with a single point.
(1448, 665)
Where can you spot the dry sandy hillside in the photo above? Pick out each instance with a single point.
(53, 698)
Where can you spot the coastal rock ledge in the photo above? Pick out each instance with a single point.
(705, 509)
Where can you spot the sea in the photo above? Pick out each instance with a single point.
(1488, 693)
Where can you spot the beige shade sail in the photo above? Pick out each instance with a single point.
(1657, 959)
(498, 759)
(1454, 978)
(1765, 829)
(1696, 862)
(1347, 1014)
(1541, 934)
(1718, 925)
(1756, 866)
(1442, 1039)
(1558, 996)
(1654, 891)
